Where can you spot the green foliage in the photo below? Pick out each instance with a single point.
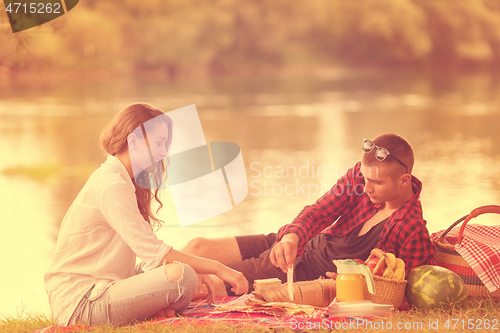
(89, 47)
(468, 31)
(175, 36)
(376, 31)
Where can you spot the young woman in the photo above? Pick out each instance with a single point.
(93, 277)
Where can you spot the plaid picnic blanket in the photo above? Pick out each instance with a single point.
(199, 313)
(480, 248)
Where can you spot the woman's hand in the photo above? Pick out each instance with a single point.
(205, 279)
(208, 266)
(236, 279)
(332, 275)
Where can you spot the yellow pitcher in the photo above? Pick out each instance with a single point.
(351, 280)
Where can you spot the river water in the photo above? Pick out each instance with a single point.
(297, 133)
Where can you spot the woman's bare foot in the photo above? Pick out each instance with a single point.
(163, 314)
(199, 295)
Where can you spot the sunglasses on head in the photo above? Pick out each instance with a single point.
(381, 153)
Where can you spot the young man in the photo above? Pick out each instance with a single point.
(374, 205)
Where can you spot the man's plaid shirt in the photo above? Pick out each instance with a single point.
(345, 206)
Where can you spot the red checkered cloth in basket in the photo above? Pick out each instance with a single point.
(480, 248)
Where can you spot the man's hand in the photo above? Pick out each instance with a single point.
(284, 252)
(376, 253)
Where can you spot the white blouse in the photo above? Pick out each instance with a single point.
(99, 239)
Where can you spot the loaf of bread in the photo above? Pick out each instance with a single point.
(258, 285)
(318, 293)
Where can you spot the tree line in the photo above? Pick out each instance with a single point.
(220, 35)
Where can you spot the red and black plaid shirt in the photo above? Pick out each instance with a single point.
(345, 206)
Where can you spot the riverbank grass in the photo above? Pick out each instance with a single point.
(477, 315)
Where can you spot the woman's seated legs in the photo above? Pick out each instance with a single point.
(140, 297)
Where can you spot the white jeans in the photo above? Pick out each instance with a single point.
(137, 298)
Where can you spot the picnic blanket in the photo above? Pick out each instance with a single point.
(199, 313)
(480, 248)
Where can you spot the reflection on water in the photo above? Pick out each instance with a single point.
(297, 135)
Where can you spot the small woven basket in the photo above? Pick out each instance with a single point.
(387, 291)
(446, 256)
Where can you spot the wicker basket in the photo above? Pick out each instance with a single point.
(446, 256)
(387, 291)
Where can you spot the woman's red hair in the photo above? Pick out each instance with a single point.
(113, 140)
